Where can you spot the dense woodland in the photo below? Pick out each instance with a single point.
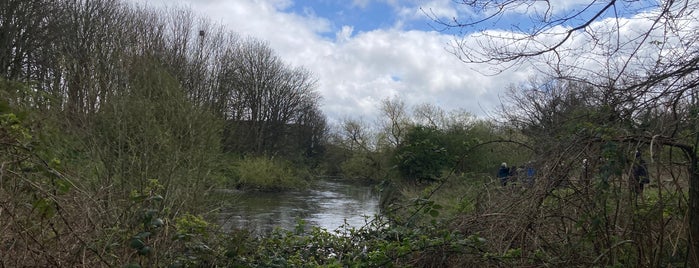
(119, 122)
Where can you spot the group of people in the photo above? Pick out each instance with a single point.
(525, 173)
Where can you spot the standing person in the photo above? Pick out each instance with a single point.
(515, 173)
(640, 174)
(531, 172)
(503, 174)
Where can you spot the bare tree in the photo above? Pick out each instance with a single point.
(430, 115)
(267, 97)
(25, 27)
(354, 135)
(396, 121)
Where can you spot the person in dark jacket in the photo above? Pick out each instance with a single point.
(503, 174)
(516, 173)
(639, 174)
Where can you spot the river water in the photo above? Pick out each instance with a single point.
(329, 204)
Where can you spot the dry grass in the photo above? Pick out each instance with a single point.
(580, 225)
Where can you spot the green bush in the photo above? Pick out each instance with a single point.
(423, 155)
(266, 174)
(364, 166)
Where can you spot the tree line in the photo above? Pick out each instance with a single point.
(80, 55)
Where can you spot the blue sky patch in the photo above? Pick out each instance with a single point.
(375, 15)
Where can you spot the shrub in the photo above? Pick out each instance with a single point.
(266, 174)
(422, 156)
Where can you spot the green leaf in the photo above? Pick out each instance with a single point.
(145, 250)
(149, 214)
(143, 235)
(157, 223)
(136, 243)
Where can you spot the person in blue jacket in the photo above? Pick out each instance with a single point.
(503, 174)
(531, 172)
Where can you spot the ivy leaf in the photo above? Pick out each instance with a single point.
(136, 243)
(145, 250)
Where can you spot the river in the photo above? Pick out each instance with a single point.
(328, 204)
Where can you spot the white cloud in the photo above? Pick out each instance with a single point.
(344, 34)
(357, 70)
(413, 65)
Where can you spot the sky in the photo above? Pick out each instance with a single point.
(365, 51)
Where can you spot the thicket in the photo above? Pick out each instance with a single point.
(579, 209)
(117, 123)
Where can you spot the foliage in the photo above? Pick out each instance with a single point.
(261, 173)
(193, 234)
(486, 144)
(374, 245)
(153, 131)
(366, 166)
(351, 152)
(422, 155)
(147, 222)
(47, 217)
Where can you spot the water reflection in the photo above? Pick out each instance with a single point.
(328, 205)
